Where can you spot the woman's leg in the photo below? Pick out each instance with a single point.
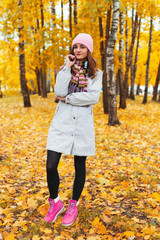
(52, 172)
(80, 176)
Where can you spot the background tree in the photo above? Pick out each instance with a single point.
(24, 88)
(148, 62)
(111, 83)
(154, 98)
(121, 50)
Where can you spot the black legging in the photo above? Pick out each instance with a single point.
(53, 176)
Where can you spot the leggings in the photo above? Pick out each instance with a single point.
(53, 159)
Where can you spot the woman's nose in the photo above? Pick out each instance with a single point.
(78, 49)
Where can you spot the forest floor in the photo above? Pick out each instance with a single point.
(121, 197)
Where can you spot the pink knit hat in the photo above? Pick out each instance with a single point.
(84, 39)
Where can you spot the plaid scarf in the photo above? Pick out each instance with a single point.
(78, 82)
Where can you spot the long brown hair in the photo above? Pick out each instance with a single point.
(92, 64)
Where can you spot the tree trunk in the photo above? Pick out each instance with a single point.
(137, 91)
(104, 59)
(159, 96)
(121, 46)
(53, 13)
(148, 61)
(75, 12)
(156, 85)
(127, 73)
(62, 13)
(24, 88)
(70, 17)
(132, 80)
(1, 95)
(129, 57)
(137, 48)
(111, 83)
(101, 43)
(43, 68)
(38, 81)
(37, 68)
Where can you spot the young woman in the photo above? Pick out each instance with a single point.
(78, 86)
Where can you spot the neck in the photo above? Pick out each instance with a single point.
(83, 59)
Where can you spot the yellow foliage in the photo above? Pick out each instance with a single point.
(129, 234)
(10, 237)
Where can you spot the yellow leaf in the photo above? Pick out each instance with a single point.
(103, 180)
(59, 238)
(91, 231)
(156, 196)
(43, 209)
(129, 234)
(135, 219)
(63, 196)
(36, 237)
(1, 210)
(32, 203)
(125, 184)
(46, 230)
(19, 222)
(95, 221)
(80, 238)
(149, 231)
(101, 229)
(10, 237)
(147, 237)
(20, 203)
(94, 238)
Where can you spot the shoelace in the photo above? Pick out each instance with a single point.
(70, 208)
(51, 207)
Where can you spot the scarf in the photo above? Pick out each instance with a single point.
(78, 82)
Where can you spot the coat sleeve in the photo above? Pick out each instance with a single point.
(87, 98)
(62, 80)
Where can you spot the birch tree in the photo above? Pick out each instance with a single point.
(111, 83)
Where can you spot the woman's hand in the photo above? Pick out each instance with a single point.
(60, 98)
(70, 60)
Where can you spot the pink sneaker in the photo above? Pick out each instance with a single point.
(71, 213)
(54, 210)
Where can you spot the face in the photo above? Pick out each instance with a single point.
(80, 51)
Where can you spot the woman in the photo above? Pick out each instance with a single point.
(78, 86)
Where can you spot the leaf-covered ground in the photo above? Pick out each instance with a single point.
(121, 198)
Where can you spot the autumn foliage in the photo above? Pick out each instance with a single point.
(47, 37)
(121, 196)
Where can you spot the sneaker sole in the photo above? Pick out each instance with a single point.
(67, 225)
(58, 214)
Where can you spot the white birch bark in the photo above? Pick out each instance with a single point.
(111, 83)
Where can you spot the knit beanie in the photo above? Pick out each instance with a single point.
(84, 39)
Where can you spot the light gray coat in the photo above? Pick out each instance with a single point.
(72, 128)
